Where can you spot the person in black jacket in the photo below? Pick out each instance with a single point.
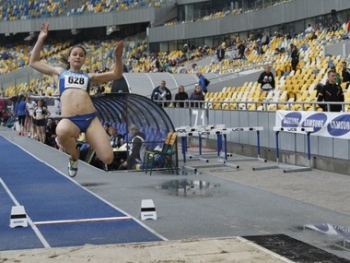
(220, 53)
(267, 79)
(136, 151)
(331, 92)
(161, 94)
(295, 56)
(181, 96)
(345, 73)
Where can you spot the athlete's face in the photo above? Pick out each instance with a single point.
(77, 57)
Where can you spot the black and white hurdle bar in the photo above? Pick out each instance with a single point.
(195, 131)
(290, 168)
(222, 162)
(248, 129)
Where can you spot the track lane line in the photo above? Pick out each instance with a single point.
(32, 225)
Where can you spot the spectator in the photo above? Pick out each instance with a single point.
(197, 95)
(267, 79)
(116, 138)
(50, 132)
(29, 122)
(21, 113)
(220, 53)
(40, 114)
(345, 73)
(331, 92)
(136, 151)
(294, 56)
(161, 94)
(309, 29)
(181, 95)
(203, 82)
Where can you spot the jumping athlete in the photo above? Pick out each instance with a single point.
(78, 111)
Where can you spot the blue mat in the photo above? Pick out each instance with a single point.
(47, 195)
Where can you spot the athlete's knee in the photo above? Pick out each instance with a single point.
(107, 158)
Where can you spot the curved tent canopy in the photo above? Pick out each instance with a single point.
(123, 109)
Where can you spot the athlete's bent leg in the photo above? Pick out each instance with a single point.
(98, 139)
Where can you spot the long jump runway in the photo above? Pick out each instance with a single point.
(60, 212)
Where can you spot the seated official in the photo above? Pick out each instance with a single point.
(50, 133)
(136, 151)
(119, 156)
(115, 138)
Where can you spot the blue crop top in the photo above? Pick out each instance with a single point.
(74, 80)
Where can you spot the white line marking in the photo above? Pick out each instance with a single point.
(35, 229)
(87, 220)
(264, 249)
(100, 198)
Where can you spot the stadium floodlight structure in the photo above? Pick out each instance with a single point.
(30, 37)
(111, 29)
(75, 31)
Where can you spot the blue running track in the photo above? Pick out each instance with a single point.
(61, 213)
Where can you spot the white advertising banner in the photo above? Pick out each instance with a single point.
(326, 124)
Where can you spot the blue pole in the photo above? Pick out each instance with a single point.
(277, 148)
(258, 138)
(184, 147)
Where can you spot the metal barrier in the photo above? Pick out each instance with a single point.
(285, 168)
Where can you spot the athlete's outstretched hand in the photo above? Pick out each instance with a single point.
(118, 51)
(44, 30)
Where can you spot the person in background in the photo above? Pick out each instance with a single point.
(181, 96)
(331, 92)
(267, 79)
(345, 73)
(136, 151)
(30, 122)
(40, 114)
(21, 113)
(197, 95)
(50, 132)
(161, 94)
(202, 82)
(116, 138)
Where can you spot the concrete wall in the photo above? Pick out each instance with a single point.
(277, 15)
(327, 153)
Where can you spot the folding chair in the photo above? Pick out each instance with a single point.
(152, 153)
(167, 155)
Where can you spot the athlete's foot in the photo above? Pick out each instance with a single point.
(73, 166)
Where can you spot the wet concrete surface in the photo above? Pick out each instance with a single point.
(235, 202)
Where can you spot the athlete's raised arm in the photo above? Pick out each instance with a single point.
(117, 72)
(34, 60)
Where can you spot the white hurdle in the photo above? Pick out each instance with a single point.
(215, 131)
(246, 129)
(289, 168)
(187, 131)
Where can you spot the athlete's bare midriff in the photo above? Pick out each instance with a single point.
(76, 102)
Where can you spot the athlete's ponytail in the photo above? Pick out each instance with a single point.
(64, 60)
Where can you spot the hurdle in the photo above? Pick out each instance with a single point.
(221, 162)
(249, 129)
(290, 168)
(195, 130)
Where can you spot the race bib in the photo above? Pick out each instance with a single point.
(76, 81)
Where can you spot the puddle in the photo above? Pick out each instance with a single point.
(191, 188)
(91, 184)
